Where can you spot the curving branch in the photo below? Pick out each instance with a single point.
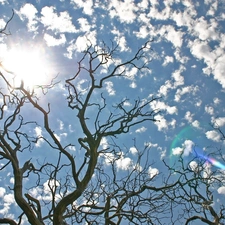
(7, 221)
(3, 30)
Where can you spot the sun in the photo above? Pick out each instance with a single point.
(28, 66)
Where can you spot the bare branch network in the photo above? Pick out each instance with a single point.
(85, 187)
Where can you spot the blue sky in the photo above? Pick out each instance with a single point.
(187, 69)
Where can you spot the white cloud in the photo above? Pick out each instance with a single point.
(162, 152)
(196, 124)
(149, 144)
(172, 110)
(2, 192)
(153, 172)
(122, 43)
(205, 31)
(167, 60)
(209, 110)
(186, 148)
(12, 180)
(198, 103)
(5, 209)
(108, 157)
(50, 185)
(138, 167)
(34, 192)
(9, 198)
(194, 166)
(184, 90)
(133, 85)
(163, 90)
(163, 124)
(181, 92)
(70, 49)
(63, 135)
(177, 80)
(177, 151)
(159, 15)
(175, 37)
(220, 121)
(158, 105)
(213, 135)
(82, 85)
(184, 17)
(29, 12)
(3, 2)
(38, 132)
(221, 190)
(109, 88)
(52, 41)
(132, 73)
(61, 23)
(143, 4)
(213, 8)
(72, 148)
(141, 130)
(143, 32)
(133, 150)
(188, 116)
(123, 163)
(45, 192)
(173, 123)
(180, 57)
(84, 25)
(201, 50)
(214, 59)
(82, 42)
(104, 143)
(61, 124)
(216, 101)
(127, 103)
(2, 23)
(120, 39)
(207, 172)
(124, 10)
(207, 2)
(87, 6)
(219, 70)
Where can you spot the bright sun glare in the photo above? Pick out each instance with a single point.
(28, 66)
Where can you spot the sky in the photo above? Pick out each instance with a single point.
(187, 69)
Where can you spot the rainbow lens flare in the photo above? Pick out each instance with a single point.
(197, 136)
(214, 162)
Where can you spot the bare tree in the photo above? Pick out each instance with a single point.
(79, 190)
(85, 186)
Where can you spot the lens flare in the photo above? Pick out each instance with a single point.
(213, 161)
(29, 65)
(196, 136)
